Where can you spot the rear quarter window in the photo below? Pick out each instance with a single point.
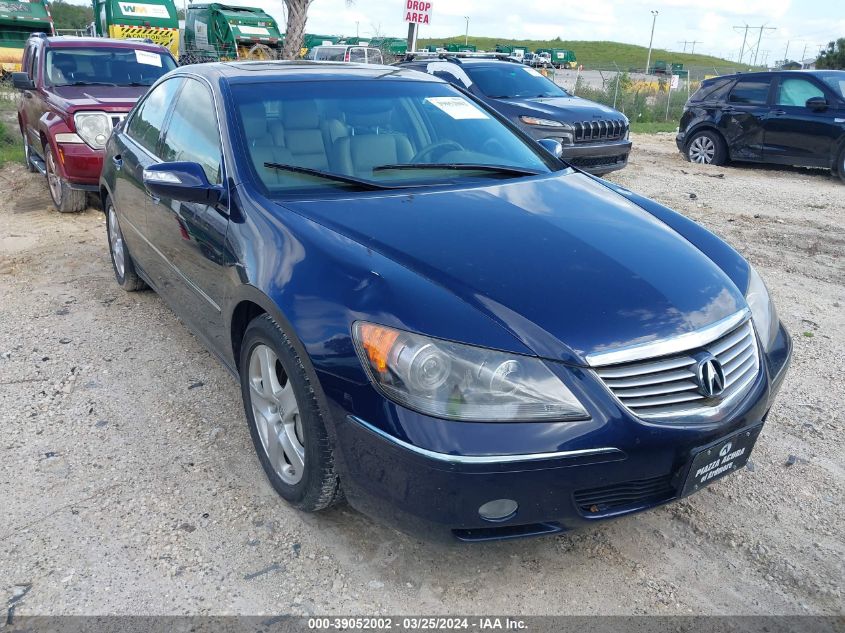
(715, 91)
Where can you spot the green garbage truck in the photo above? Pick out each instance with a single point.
(155, 20)
(18, 20)
(560, 57)
(221, 32)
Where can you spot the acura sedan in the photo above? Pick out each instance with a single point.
(428, 312)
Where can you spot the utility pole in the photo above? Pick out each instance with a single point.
(744, 38)
(786, 53)
(760, 37)
(466, 33)
(693, 42)
(651, 39)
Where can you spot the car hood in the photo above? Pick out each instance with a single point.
(113, 98)
(566, 108)
(564, 263)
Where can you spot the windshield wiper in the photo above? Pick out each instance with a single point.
(91, 83)
(349, 180)
(502, 169)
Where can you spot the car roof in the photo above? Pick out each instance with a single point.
(771, 73)
(303, 70)
(70, 41)
(465, 61)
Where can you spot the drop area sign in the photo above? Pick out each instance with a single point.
(417, 11)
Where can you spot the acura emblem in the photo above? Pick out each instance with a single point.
(711, 377)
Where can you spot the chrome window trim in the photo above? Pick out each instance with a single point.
(673, 345)
(485, 459)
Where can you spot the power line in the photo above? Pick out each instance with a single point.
(693, 42)
(756, 48)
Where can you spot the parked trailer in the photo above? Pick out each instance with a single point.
(155, 20)
(223, 32)
(18, 20)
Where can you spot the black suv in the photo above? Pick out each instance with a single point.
(786, 117)
(594, 137)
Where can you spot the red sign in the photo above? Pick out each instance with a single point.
(418, 11)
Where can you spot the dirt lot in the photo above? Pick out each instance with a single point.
(129, 485)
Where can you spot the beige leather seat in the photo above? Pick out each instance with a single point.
(255, 126)
(303, 135)
(370, 143)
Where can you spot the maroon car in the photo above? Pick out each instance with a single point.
(75, 90)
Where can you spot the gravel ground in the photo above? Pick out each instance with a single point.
(129, 485)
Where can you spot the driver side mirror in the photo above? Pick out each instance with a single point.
(181, 181)
(816, 104)
(21, 81)
(552, 146)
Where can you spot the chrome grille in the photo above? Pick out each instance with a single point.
(592, 131)
(667, 386)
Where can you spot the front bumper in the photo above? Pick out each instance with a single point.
(620, 465)
(80, 165)
(598, 158)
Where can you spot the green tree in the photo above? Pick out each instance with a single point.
(834, 56)
(71, 16)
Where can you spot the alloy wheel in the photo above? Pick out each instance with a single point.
(52, 179)
(702, 150)
(116, 243)
(276, 413)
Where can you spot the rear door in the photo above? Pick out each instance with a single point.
(32, 103)
(136, 147)
(795, 134)
(742, 117)
(191, 235)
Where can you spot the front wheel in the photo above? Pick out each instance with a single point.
(706, 148)
(124, 268)
(65, 199)
(284, 419)
(27, 153)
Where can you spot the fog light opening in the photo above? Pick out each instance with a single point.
(498, 510)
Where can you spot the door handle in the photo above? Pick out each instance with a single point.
(779, 112)
(117, 161)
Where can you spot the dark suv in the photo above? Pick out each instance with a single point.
(74, 91)
(594, 136)
(786, 117)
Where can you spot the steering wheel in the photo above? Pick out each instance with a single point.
(426, 154)
(494, 147)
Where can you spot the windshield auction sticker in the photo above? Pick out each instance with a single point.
(148, 58)
(457, 107)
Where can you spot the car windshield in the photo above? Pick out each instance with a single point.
(837, 82)
(513, 82)
(375, 134)
(106, 66)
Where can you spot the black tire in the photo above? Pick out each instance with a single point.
(65, 199)
(27, 153)
(319, 486)
(122, 264)
(707, 148)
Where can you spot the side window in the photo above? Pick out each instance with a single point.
(750, 92)
(795, 92)
(192, 133)
(145, 126)
(357, 55)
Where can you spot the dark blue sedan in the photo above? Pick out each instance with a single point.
(427, 311)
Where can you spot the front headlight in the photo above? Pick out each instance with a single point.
(763, 311)
(93, 127)
(462, 382)
(531, 120)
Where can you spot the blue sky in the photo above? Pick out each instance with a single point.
(807, 23)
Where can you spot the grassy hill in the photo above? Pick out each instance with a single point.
(597, 55)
